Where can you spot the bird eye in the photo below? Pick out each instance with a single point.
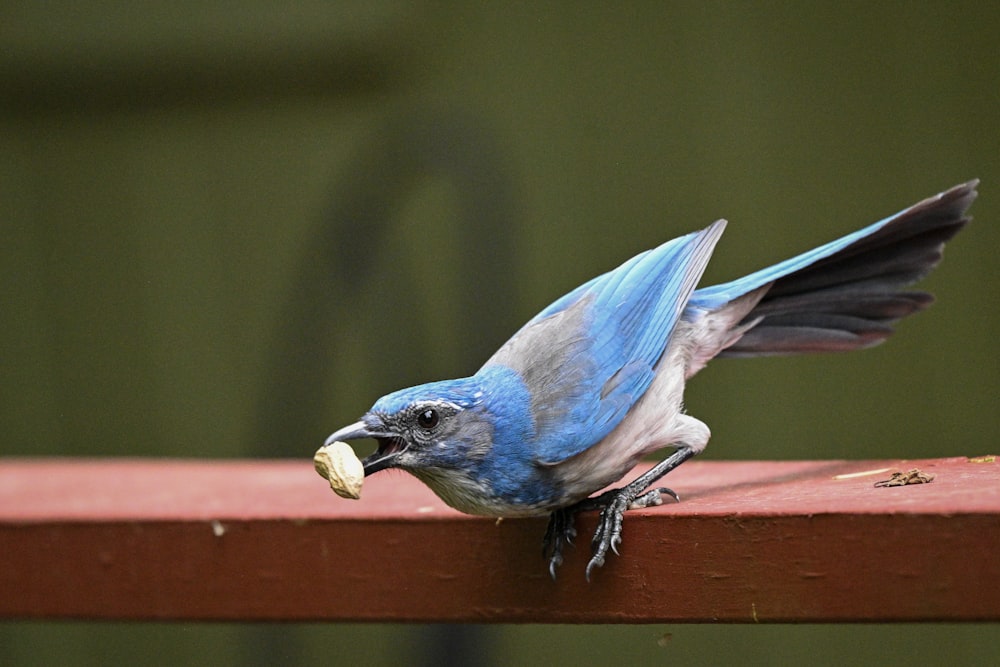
(428, 419)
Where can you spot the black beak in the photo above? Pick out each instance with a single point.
(389, 445)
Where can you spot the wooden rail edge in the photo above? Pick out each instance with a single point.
(804, 541)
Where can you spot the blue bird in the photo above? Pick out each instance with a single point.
(593, 383)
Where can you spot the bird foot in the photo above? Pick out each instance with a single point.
(613, 504)
(560, 532)
(609, 527)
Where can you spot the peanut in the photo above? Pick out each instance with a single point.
(337, 463)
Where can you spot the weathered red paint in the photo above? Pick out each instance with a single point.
(268, 540)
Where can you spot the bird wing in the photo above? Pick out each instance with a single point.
(587, 358)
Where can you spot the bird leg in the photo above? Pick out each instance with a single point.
(613, 504)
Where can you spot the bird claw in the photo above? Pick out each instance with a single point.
(609, 528)
(554, 563)
(608, 536)
(594, 562)
(560, 532)
(653, 498)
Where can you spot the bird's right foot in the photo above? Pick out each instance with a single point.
(559, 533)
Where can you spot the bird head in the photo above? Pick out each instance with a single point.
(439, 425)
(470, 440)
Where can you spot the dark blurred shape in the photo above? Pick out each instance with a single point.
(105, 58)
(411, 146)
(354, 232)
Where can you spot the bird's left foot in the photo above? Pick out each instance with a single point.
(609, 527)
(613, 504)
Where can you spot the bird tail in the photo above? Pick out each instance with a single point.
(844, 295)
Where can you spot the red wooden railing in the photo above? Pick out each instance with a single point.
(811, 541)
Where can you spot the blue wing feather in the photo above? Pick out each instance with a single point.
(587, 358)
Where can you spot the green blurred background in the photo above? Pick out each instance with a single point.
(228, 227)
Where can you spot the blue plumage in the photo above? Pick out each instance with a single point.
(595, 381)
(605, 339)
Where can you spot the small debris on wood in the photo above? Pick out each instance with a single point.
(864, 473)
(914, 476)
(983, 459)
